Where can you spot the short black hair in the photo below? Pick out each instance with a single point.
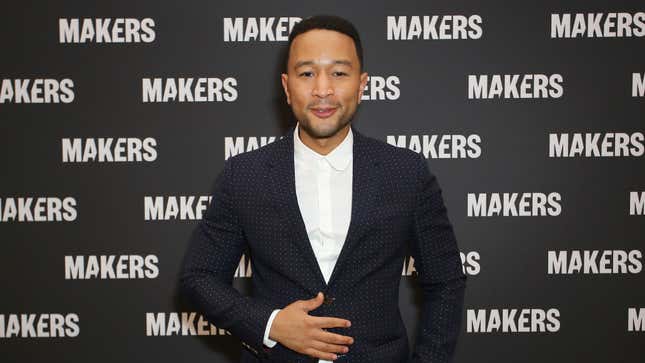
(329, 22)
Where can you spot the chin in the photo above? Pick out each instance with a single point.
(323, 131)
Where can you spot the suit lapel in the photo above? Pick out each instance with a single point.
(366, 186)
(283, 186)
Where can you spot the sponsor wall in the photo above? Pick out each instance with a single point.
(117, 117)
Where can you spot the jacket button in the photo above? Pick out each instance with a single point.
(328, 300)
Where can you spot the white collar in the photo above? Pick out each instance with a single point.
(338, 158)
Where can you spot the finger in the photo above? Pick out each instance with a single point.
(319, 354)
(329, 348)
(314, 303)
(332, 338)
(330, 322)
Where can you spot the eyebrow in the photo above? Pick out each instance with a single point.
(311, 63)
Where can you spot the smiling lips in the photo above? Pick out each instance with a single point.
(323, 112)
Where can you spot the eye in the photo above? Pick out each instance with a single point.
(339, 74)
(306, 74)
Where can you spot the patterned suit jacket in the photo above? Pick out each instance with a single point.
(396, 203)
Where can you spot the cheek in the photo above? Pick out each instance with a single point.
(347, 95)
(299, 95)
(301, 103)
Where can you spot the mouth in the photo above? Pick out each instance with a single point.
(323, 112)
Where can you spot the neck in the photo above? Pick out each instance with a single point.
(323, 146)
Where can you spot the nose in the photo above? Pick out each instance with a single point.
(322, 86)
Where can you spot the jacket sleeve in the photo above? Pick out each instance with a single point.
(438, 263)
(211, 259)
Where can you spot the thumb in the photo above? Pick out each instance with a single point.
(314, 303)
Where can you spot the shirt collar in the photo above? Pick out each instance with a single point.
(338, 158)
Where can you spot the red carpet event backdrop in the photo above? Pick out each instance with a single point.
(117, 117)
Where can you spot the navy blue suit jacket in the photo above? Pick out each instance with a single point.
(396, 203)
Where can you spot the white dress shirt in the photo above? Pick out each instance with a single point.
(324, 192)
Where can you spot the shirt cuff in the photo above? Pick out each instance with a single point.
(267, 341)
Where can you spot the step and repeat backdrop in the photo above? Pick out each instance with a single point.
(117, 117)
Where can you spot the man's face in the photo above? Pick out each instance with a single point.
(323, 82)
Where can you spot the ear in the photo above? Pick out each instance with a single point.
(363, 84)
(285, 78)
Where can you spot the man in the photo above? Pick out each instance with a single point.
(326, 214)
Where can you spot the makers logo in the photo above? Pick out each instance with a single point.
(39, 325)
(435, 27)
(597, 144)
(513, 320)
(469, 264)
(40, 90)
(514, 204)
(39, 209)
(183, 324)
(105, 30)
(165, 208)
(382, 88)
(204, 89)
(440, 146)
(515, 86)
(598, 25)
(108, 150)
(269, 29)
(585, 262)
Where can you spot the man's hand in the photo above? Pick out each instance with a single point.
(294, 328)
